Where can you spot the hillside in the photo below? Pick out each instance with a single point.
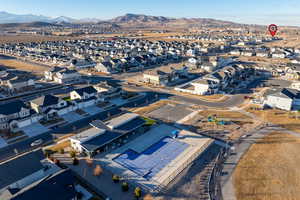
(151, 21)
(28, 25)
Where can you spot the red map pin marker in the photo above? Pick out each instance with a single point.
(273, 29)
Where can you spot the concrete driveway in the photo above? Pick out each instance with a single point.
(2, 142)
(34, 129)
(71, 117)
(92, 110)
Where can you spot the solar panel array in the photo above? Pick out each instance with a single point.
(148, 163)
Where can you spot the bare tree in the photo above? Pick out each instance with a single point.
(98, 170)
(148, 197)
(89, 162)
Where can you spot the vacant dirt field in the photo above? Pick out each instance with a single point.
(30, 38)
(225, 114)
(288, 120)
(16, 64)
(270, 169)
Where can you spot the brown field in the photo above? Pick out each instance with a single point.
(225, 114)
(20, 65)
(61, 145)
(270, 169)
(30, 38)
(288, 120)
(151, 107)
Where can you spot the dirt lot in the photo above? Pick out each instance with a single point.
(270, 175)
(151, 107)
(288, 120)
(30, 38)
(16, 64)
(225, 114)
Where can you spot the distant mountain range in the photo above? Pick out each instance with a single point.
(127, 20)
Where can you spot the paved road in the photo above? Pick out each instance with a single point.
(47, 137)
(233, 100)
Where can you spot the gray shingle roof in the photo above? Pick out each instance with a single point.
(20, 167)
(88, 90)
(46, 100)
(58, 187)
(12, 107)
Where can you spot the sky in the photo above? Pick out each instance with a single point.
(281, 12)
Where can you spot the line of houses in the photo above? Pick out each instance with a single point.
(17, 114)
(219, 80)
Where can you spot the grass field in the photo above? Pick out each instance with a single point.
(225, 114)
(270, 169)
(288, 120)
(17, 64)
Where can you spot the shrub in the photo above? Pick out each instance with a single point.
(75, 161)
(115, 178)
(72, 154)
(125, 187)
(56, 161)
(137, 192)
(61, 151)
(48, 152)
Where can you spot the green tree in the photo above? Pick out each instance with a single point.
(115, 178)
(72, 154)
(125, 187)
(61, 151)
(137, 192)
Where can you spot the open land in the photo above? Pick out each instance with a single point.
(269, 170)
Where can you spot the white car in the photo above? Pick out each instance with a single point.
(36, 142)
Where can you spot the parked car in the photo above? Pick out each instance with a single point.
(36, 142)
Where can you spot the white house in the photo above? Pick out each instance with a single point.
(62, 75)
(156, 77)
(13, 110)
(278, 54)
(203, 86)
(48, 105)
(84, 93)
(286, 99)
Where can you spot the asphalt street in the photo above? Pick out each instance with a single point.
(24, 145)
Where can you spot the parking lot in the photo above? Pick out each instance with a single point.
(171, 112)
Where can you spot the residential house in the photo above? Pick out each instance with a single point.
(108, 90)
(278, 54)
(49, 105)
(34, 169)
(84, 93)
(13, 110)
(156, 77)
(82, 64)
(62, 75)
(14, 80)
(204, 87)
(262, 53)
(247, 53)
(105, 67)
(285, 99)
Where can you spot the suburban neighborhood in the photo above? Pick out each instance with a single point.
(148, 107)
